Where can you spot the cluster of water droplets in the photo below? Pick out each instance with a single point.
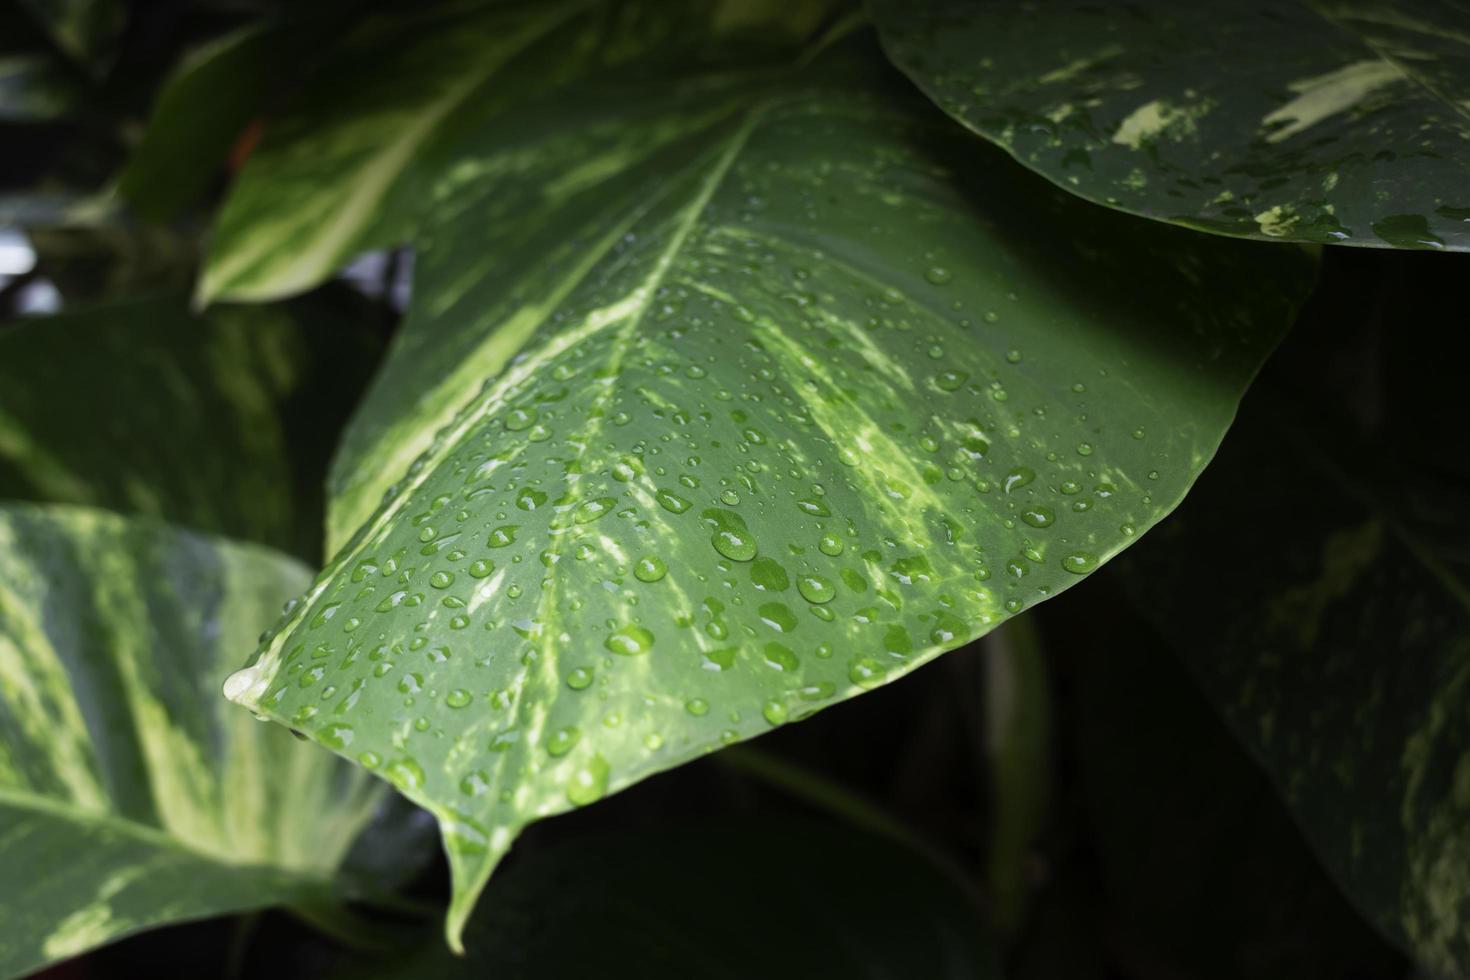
(770, 483)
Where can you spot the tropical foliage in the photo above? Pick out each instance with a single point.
(640, 377)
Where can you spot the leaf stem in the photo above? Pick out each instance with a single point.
(825, 794)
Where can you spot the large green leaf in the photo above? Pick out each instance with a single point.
(346, 168)
(221, 422)
(131, 794)
(1334, 630)
(764, 390)
(680, 904)
(1311, 120)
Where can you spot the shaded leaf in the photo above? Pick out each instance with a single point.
(131, 794)
(783, 900)
(1205, 875)
(768, 389)
(221, 422)
(1313, 120)
(348, 166)
(200, 112)
(1334, 631)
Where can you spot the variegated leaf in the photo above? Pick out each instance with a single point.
(753, 392)
(221, 422)
(131, 794)
(1342, 659)
(345, 168)
(1335, 121)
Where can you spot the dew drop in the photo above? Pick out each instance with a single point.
(629, 641)
(650, 568)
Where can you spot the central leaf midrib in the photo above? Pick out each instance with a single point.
(645, 292)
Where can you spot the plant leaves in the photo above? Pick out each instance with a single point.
(131, 794)
(1314, 120)
(679, 904)
(222, 422)
(788, 387)
(1336, 636)
(338, 174)
(197, 116)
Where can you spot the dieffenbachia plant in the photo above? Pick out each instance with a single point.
(723, 401)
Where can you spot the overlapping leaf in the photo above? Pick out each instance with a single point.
(131, 794)
(344, 169)
(1312, 120)
(198, 115)
(1342, 660)
(754, 391)
(220, 422)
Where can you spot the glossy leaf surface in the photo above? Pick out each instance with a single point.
(1342, 661)
(131, 794)
(679, 904)
(1311, 120)
(769, 389)
(219, 422)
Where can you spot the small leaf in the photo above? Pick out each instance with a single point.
(1300, 121)
(765, 389)
(131, 793)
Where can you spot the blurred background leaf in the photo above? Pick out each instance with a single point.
(1328, 615)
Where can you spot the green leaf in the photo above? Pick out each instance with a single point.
(200, 112)
(1312, 120)
(221, 422)
(1333, 630)
(784, 900)
(767, 389)
(131, 794)
(350, 164)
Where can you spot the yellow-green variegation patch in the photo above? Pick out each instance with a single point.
(131, 793)
(735, 396)
(344, 168)
(1329, 121)
(219, 422)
